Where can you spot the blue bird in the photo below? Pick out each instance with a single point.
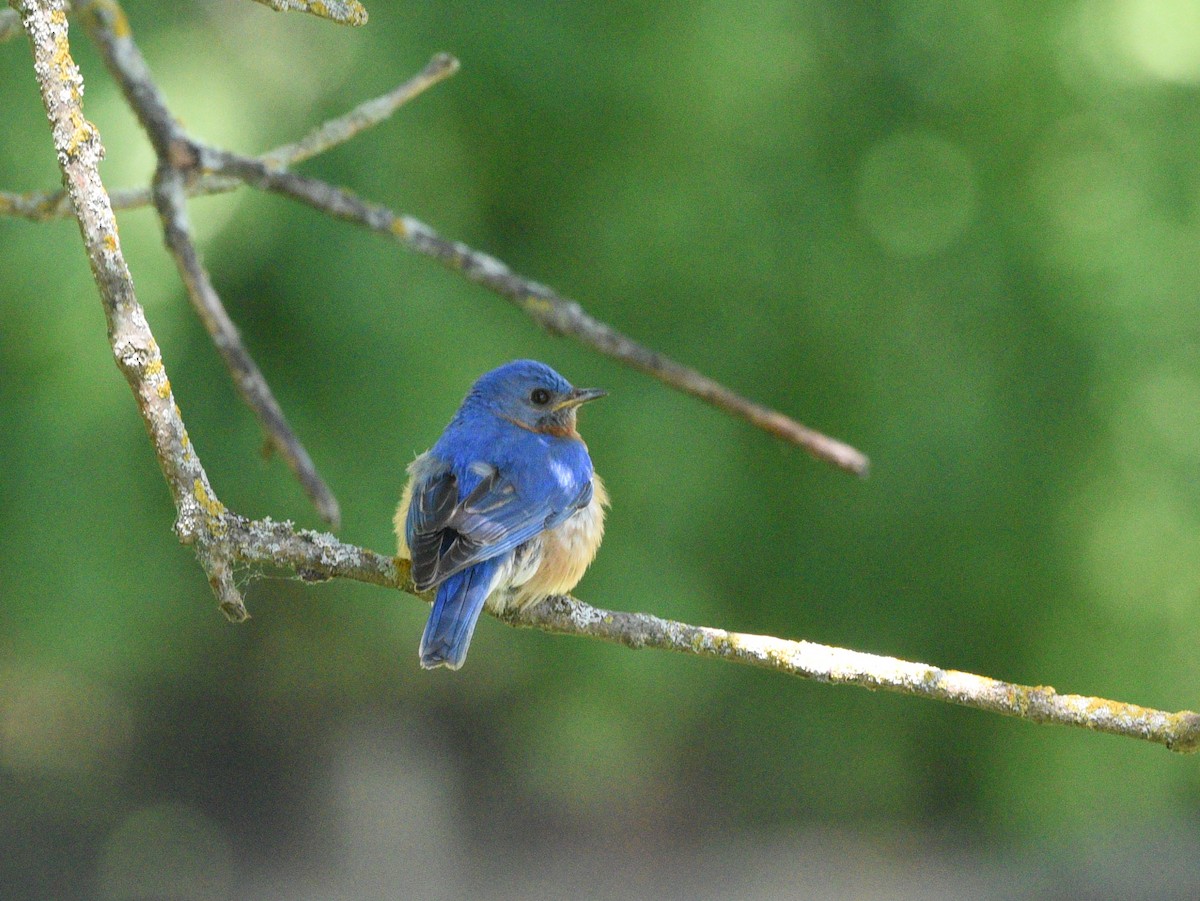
(504, 509)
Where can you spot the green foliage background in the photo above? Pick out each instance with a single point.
(961, 236)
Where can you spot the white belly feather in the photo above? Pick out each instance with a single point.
(555, 561)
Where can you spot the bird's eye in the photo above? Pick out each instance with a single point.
(540, 397)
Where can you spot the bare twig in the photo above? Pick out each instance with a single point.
(77, 143)
(108, 28)
(40, 206)
(366, 115)
(344, 12)
(172, 210)
(555, 313)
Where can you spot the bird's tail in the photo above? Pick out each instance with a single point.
(455, 612)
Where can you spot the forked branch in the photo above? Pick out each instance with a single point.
(212, 169)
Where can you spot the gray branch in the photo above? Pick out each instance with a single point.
(79, 151)
(220, 170)
(557, 314)
(318, 556)
(176, 163)
(40, 206)
(344, 12)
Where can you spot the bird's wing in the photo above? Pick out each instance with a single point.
(446, 535)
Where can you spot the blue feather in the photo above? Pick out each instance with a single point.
(455, 612)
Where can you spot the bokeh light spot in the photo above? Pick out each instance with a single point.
(916, 193)
(167, 851)
(1162, 37)
(1130, 41)
(54, 722)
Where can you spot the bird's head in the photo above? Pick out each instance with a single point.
(533, 396)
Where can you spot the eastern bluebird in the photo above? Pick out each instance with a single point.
(505, 509)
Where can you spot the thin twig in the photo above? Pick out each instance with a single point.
(110, 31)
(40, 206)
(77, 143)
(555, 313)
(344, 12)
(366, 115)
(251, 384)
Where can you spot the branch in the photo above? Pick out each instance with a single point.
(322, 556)
(107, 25)
(40, 206)
(1041, 704)
(78, 147)
(344, 12)
(366, 115)
(223, 539)
(555, 313)
(170, 201)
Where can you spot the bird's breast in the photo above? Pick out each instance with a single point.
(555, 561)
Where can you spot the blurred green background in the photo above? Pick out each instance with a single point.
(959, 235)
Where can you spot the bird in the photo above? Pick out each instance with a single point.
(505, 509)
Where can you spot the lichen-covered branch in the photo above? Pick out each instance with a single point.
(78, 147)
(1042, 704)
(344, 12)
(366, 115)
(555, 313)
(317, 556)
(314, 556)
(177, 163)
(40, 206)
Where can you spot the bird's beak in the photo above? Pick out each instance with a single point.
(579, 396)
